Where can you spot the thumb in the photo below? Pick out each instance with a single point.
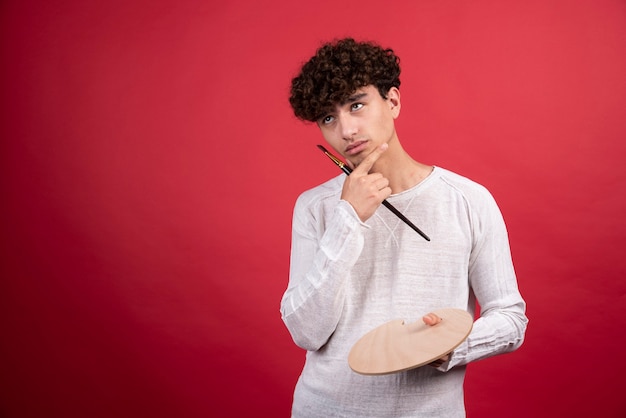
(431, 319)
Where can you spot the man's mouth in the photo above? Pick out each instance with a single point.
(356, 147)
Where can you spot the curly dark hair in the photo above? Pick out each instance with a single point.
(336, 71)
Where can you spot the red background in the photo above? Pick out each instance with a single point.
(150, 162)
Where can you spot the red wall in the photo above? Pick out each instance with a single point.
(149, 163)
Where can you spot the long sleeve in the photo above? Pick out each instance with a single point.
(323, 252)
(502, 322)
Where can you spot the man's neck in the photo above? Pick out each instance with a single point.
(402, 171)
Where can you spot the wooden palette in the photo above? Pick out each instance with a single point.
(395, 347)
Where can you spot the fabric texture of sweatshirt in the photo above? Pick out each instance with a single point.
(348, 277)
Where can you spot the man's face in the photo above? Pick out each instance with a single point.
(364, 121)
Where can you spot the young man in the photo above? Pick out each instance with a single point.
(356, 266)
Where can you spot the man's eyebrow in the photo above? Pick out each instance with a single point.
(355, 97)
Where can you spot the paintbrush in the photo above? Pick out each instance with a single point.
(388, 205)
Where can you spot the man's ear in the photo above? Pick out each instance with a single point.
(393, 99)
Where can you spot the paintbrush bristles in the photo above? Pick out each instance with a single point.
(336, 160)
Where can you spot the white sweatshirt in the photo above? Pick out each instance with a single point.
(348, 277)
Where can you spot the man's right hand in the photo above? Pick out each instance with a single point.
(365, 191)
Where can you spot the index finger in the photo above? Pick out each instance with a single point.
(366, 165)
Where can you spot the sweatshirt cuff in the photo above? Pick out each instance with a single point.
(343, 238)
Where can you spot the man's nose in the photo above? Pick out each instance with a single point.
(349, 127)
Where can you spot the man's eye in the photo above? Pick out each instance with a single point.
(327, 119)
(357, 106)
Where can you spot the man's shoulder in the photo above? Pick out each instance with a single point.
(330, 189)
(469, 189)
